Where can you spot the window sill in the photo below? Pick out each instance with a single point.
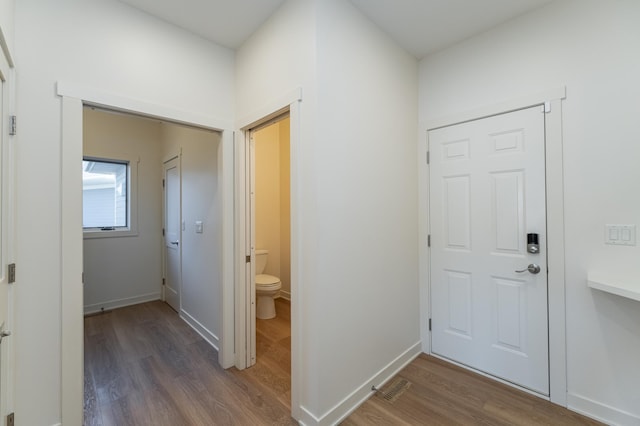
(116, 233)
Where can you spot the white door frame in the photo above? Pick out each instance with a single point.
(73, 99)
(245, 312)
(552, 99)
(7, 79)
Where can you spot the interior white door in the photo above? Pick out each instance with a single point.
(487, 192)
(172, 233)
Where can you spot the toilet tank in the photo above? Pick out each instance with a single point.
(261, 260)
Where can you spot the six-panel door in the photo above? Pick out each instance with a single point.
(487, 192)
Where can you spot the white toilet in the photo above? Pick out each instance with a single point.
(267, 287)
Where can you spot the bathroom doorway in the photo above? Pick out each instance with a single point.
(264, 233)
(269, 209)
(245, 256)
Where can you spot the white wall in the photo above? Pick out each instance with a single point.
(201, 290)
(120, 271)
(108, 46)
(357, 206)
(6, 23)
(366, 205)
(591, 47)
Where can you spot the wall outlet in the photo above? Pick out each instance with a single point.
(620, 235)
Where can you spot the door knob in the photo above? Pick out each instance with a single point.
(175, 243)
(4, 334)
(533, 268)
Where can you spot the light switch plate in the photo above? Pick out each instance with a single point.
(620, 235)
(198, 227)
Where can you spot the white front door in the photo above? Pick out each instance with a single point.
(172, 233)
(487, 192)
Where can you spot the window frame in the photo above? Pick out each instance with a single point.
(132, 200)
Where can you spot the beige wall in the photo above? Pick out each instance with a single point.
(284, 127)
(121, 271)
(201, 201)
(272, 199)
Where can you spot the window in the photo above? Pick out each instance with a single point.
(107, 206)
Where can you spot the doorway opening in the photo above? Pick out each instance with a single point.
(74, 98)
(149, 184)
(270, 244)
(152, 231)
(245, 309)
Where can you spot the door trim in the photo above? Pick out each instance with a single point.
(555, 225)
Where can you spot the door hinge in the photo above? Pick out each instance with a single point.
(163, 232)
(11, 419)
(546, 107)
(12, 125)
(428, 158)
(82, 278)
(163, 281)
(248, 258)
(12, 273)
(163, 183)
(429, 240)
(429, 324)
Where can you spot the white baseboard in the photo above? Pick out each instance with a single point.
(601, 412)
(285, 295)
(203, 331)
(121, 303)
(349, 404)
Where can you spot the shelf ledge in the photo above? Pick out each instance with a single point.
(624, 287)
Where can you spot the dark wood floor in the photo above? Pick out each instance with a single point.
(145, 366)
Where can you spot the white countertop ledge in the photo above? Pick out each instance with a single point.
(621, 286)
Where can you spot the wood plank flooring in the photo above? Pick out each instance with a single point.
(145, 366)
(441, 393)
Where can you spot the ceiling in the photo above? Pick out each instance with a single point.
(420, 26)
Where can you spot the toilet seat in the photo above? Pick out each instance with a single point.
(266, 282)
